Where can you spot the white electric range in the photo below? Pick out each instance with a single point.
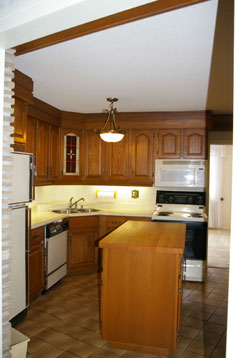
(189, 208)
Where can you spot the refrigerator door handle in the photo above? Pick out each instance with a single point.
(28, 227)
(32, 178)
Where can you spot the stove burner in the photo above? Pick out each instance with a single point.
(165, 213)
(196, 215)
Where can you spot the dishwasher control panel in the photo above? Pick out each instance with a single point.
(56, 228)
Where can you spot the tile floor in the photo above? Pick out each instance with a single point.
(218, 248)
(64, 322)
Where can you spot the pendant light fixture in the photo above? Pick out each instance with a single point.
(109, 131)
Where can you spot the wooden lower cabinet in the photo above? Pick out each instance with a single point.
(82, 252)
(141, 287)
(36, 263)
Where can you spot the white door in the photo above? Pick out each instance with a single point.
(220, 186)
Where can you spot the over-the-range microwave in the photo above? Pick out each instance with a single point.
(180, 174)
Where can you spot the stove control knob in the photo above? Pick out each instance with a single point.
(170, 199)
(190, 199)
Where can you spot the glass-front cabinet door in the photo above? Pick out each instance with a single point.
(71, 163)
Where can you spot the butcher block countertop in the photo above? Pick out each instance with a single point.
(152, 236)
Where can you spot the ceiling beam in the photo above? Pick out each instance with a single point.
(137, 13)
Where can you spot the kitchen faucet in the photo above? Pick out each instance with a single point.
(70, 202)
(75, 203)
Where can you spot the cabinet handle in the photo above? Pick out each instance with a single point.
(70, 239)
(42, 242)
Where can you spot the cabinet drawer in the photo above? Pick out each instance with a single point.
(37, 237)
(85, 222)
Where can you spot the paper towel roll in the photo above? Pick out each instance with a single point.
(112, 194)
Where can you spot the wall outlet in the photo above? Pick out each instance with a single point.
(135, 194)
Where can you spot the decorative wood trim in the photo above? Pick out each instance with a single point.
(44, 112)
(134, 14)
(23, 87)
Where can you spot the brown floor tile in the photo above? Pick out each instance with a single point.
(79, 333)
(91, 324)
(82, 349)
(194, 323)
(66, 355)
(46, 351)
(95, 339)
(56, 339)
(215, 328)
(29, 328)
(34, 344)
(215, 318)
(218, 353)
(184, 342)
(208, 337)
(192, 355)
(201, 347)
(222, 342)
(116, 351)
(189, 332)
(42, 318)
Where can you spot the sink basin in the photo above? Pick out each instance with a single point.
(74, 211)
(65, 211)
(86, 210)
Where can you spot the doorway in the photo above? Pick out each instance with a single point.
(220, 174)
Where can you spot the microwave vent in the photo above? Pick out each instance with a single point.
(183, 162)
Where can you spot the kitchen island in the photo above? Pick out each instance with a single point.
(141, 286)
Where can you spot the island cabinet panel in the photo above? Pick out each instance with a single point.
(141, 298)
(36, 263)
(169, 143)
(194, 143)
(82, 251)
(141, 156)
(94, 159)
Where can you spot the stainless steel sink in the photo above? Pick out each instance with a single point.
(74, 211)
(86, 210)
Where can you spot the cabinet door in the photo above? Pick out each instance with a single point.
(83, 232)
(36, 272)
(20, 121)
(94, 156)
(71, 152)
(53, 165)
(42, 149)
(117, 160)
(169, 143)
(81, 249)
(36, 263)
(194, 143)
(31, 135)
(141, 154)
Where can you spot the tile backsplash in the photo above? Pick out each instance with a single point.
(62, 193)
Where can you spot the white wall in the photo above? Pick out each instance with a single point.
(62, 193)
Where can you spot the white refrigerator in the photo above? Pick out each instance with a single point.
(22, 194)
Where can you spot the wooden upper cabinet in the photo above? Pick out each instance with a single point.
(54, 150)
(141, 156)
(71, 152)
(194, 143)
(117, 160)
(20, 122)
(42, 149)
(31, 135)
(94, 156)
(23, 96)
(169, 143)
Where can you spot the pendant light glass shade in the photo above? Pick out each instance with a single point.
(113, 133)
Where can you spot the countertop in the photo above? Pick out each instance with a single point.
(147, 236)
(44, 217)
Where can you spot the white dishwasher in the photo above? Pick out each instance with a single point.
(55, 251)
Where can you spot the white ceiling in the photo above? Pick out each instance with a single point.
(161, 63)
